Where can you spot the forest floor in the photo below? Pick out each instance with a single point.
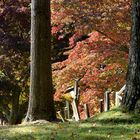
(111, 125)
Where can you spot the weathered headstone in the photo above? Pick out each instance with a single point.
(101, 105)
(107, 100)
(118, 97)
(86, 111)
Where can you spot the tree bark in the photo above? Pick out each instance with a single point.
(41, 105)
(132, 92)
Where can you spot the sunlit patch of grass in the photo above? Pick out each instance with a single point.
(112, 125)
(116, 116)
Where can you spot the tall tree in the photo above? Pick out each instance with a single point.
(41, 105)
(132, 92)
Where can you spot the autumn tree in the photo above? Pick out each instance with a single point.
(41, 105)
(132, 94)
(107, 25)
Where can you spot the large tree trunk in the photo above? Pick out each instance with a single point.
(41, 105)
(132, 92)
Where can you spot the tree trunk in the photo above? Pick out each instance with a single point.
(132, 92)
(41, 105)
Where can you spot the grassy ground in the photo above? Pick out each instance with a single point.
(112, 125)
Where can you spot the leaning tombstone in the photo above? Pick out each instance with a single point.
(107, 100)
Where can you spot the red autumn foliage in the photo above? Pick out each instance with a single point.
(85, 62)
(99, 60)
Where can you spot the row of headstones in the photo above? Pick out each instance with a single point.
(74, 103)
(76, 116)
(106, 100)
(74, 92)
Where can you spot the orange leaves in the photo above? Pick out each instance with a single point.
(54, 30)
(85, 62)
(100, 15)
(108, 22)
(119, 14)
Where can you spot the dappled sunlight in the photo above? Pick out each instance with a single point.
(78, 131)
(26, 130)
